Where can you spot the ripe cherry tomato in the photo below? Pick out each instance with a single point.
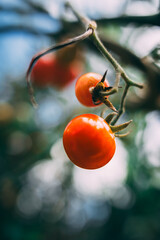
(83, 86)
(89, 141)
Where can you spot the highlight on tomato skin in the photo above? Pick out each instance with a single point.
(89, 141)
(83, 86)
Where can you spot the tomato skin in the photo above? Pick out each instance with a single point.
(49, 71)
(89, 141)
(83, 84)
(42, 73)
(64, 74)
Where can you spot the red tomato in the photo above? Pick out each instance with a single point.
(42, 73)
(64, 74)
(49, 71)
(83, 86)
(89, 141)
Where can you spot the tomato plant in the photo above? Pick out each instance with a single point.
(89, 141)
(84, 86)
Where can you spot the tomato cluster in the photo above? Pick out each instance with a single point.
(89, 140)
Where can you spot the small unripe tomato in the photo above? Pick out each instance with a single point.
(42, 73)
(89, 141)
(84, 85)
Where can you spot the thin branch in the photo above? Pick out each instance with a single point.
(112, 60)
(82, 19)
(125, 54)
(96, 40)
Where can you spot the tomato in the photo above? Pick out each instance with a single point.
(89, 141)
(64, 74)
(57, 70)
(42, 73)
(84, 85)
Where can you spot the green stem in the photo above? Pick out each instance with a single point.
(96, 40)
(87, 23)
(121, 109)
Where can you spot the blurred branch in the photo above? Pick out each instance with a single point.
(23, 28)
(14, 10)
(37, 7)
(125, 54)
(140, 20)
(123, 19)
(32, 7)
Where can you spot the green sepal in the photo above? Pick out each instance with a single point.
(109, 104)
(110, 116)
(120, 127)
(122, 135)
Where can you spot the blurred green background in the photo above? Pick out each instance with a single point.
(43, 196)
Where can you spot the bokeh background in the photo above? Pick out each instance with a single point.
(43, 196)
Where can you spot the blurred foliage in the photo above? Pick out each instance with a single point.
(42, 195)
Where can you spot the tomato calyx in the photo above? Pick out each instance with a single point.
(98, 97)
(117, 128)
